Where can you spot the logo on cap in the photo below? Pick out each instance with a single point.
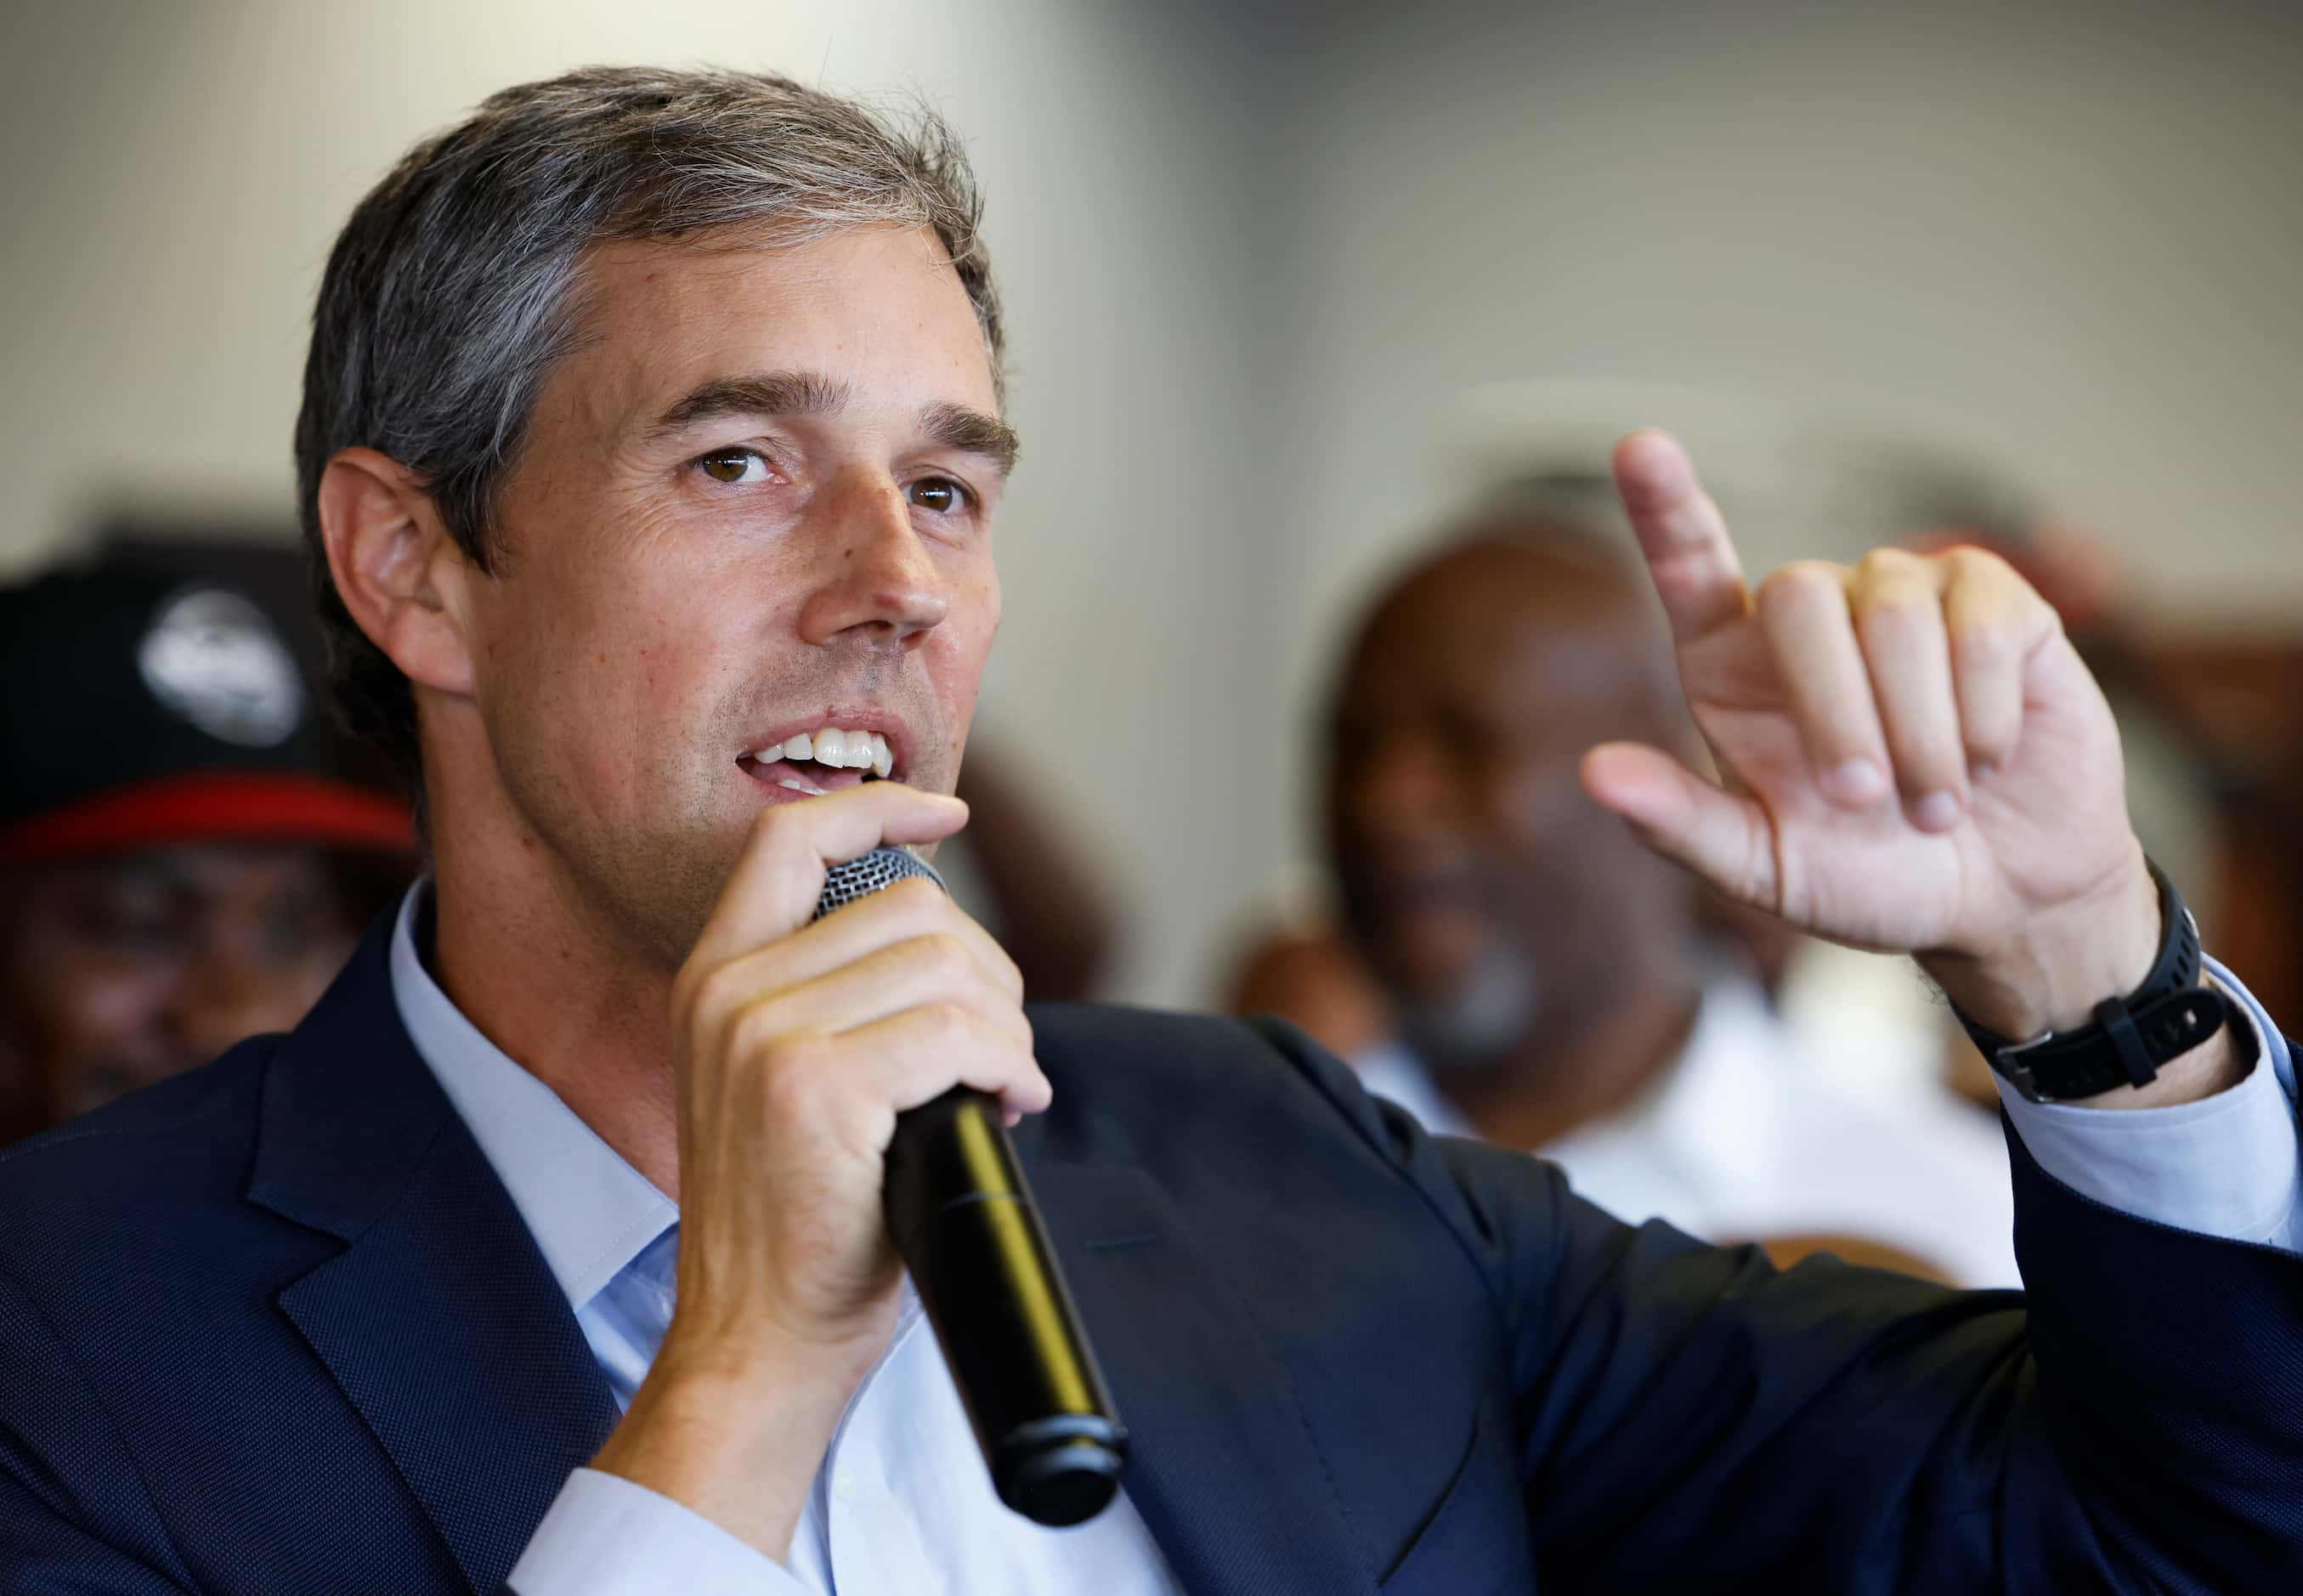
(213, 658)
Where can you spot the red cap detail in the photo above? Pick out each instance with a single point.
(222, 805)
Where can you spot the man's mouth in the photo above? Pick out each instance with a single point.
(825, 760)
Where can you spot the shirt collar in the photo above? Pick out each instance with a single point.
(591, 1212)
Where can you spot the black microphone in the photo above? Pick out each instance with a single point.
(963, 1217)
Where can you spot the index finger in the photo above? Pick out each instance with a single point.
(1689, 556)
(779, 877)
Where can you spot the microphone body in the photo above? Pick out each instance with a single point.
(963, 1217)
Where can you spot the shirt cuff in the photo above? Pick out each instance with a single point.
(2227, 1165)
(606, 1536)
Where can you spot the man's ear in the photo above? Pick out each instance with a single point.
(397, 569)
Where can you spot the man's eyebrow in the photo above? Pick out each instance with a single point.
(956, 426)
(769, 394)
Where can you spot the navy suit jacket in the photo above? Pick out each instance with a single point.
(276, 1327)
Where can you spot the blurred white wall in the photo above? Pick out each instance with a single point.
(178, 171)
(2065, 236)
(1256, 257)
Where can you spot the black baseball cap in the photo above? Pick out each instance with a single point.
(139, 710)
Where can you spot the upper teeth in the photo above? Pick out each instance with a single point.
(842, 750)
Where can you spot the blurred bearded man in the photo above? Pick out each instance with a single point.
(652, 435)
(1547, 973)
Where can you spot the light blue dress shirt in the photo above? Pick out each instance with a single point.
(901, 1504)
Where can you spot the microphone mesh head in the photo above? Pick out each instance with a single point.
(883, 866)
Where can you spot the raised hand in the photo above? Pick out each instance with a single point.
(1914, 760)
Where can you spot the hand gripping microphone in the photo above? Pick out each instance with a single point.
(965, 1224)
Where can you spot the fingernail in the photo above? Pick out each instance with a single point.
(1856, 782)
(1936, 812)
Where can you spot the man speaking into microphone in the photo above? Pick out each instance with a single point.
(650, 442)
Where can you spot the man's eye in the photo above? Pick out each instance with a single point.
(940, 495)
(132, 928)
(735, 466)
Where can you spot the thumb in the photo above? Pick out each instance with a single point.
(1721, 837)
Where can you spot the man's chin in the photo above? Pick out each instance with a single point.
(662, 891)
(1470, 1022)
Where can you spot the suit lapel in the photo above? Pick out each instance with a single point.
(439, 1319)
(445, 1330)
(1221, 1464)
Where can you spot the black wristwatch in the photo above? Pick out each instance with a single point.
(2164, 1018)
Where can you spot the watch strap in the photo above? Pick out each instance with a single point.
(2169, 1014)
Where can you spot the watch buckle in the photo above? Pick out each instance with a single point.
(2018, 1074)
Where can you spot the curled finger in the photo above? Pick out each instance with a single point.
(1810, 635)
(1995, 621)
(936, 968)
(909, 1058)
(1899, 619)
(901, 913)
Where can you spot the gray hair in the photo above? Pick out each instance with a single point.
(452, 290)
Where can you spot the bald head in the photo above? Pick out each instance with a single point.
(1541, 602)
(1483, 886)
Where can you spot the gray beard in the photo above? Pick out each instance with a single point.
(1470, 1030)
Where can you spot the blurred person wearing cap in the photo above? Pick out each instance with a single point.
(179, 866)
(653, 436)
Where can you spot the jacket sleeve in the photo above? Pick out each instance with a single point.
(1690, 1420)
(95, 1534)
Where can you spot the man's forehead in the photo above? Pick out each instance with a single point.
(1480, 595)
(1502, 620)
(723, 255)
(658, 317)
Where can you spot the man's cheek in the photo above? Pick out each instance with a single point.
(118, 992)
(104, 1006)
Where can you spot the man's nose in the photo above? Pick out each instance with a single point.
(1399, 787)
(880, 578)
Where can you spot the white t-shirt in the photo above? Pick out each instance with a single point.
(1740, 1140)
